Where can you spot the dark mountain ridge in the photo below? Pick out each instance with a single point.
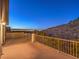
(65, 31)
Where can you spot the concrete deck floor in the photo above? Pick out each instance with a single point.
(23, 49)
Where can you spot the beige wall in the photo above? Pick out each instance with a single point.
(17, 35)
(3, 18)
(0, 30)
(14, 35)
(5, 11)
(0, 9)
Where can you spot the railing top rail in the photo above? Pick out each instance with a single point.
(59, 39)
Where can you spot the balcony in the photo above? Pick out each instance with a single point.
(35, 46)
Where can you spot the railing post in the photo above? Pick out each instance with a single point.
(58, 46)
(76, 49)
(33, 37)
(73, 48)
(69, 47)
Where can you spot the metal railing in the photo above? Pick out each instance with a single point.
(67, 46)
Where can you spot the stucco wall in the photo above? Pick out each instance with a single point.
(14, 35)
(17, 35)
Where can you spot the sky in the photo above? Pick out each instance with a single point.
(41, 14)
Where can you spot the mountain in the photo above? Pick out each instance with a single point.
(66, 31)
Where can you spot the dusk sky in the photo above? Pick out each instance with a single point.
(42, 14)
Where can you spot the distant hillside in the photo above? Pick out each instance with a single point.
(65, 31)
